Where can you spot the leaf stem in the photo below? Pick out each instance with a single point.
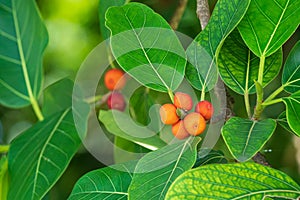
(171, 95)
(247, 104)
(271, 102)
(259, 89)
(4, 148)
(127, 1)
(260, 94)
(261, 69)
(202, 98)
(36, 109)
(274, 94)
(174, 22)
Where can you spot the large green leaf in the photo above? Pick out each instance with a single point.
(39, 156)
(156, 171)
(103, 7)
(106, 183)
(121, 125)
(268, 24)
(203, 52)
(291, 70)
(146, 47)
(23, 38)
(244, 137)
(233, 181)
(292, 112)
(238, 66)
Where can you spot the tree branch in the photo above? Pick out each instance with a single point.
(178, 14)
(203, 12)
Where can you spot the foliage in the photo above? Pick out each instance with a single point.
(242, 44)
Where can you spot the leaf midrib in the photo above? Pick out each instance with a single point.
(145, 53)
(275, 29)
(267, 191)
(21, 53)
(43, 150)
(174, 168)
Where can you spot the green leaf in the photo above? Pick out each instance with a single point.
(244, 137)
(39, 156)
(210, 156)
(121, 125)
(292, 112)
(156, 171)
(103, 7)
(203, 52)
(57, 97)
(23, 38)
(125, 150)
(146, 47)
(106, 183)
(282, 121)
(291, 70)
(4, 178)
(60, 96)
(268, 24)
(233, 181)
(238, 66)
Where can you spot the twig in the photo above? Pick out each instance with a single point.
(260, 159)
(174, 22)
(203, 12)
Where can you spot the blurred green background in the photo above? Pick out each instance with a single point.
(73, 27)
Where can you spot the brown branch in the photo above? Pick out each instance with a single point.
(260, 159)
(174, 22)
(203, 12)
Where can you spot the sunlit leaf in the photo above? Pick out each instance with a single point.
(23, 38)
(203, 52)
(39, 156)
(291, 70)
(146, 47)
(106, 183)
(233, 181)
(292, 112)
(268, 24)
(121, 125)
(244, 137)
(238, 66)
(156, 171)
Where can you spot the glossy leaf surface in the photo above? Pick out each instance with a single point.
(291, 70)
(39, 156)
(233, 181)
(238, 66)
(203, 52)
(23, 38)
(292, 112)
(157, 170)
(268, 24)
(245, 137)
(106, 183)
(146, 47)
